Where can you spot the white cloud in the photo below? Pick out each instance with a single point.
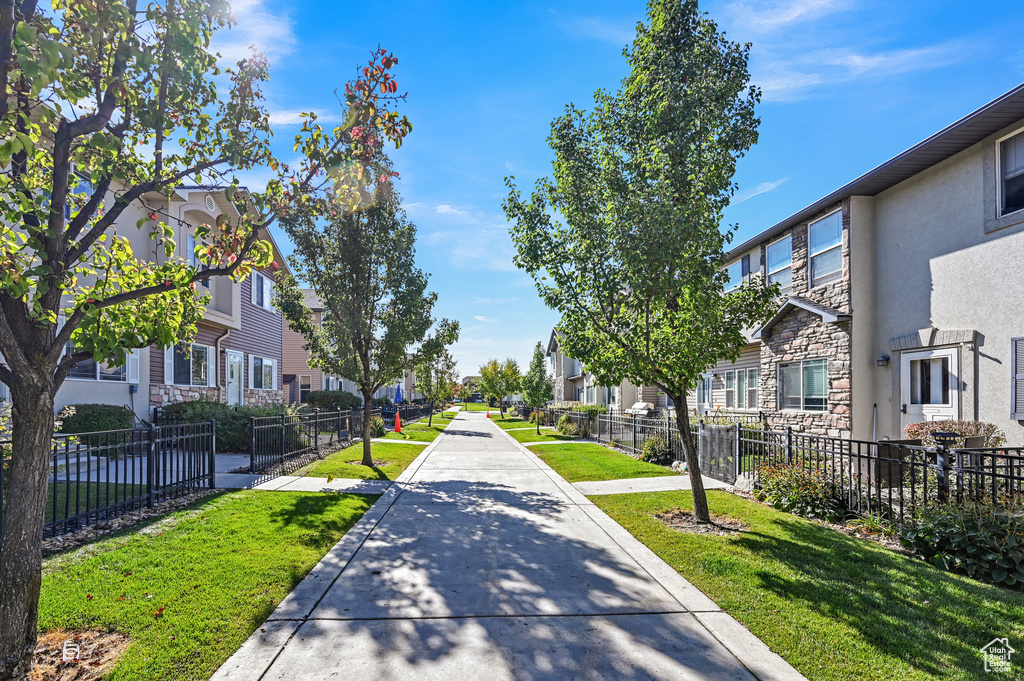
(768, 17)
(762, 188)
(509, 167)
(256, 26)
(294, 117)
(596, 28)
(448, 209)
(485, 320)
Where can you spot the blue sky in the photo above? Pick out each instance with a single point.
(847, 84)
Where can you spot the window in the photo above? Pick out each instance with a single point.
(263, 373)
(780, 264)
(91, 370)
(188, 365)
(804, 385)
(305, 387)
(824, 239)
(590, 395)
(735, 272)
(262, 291)
(730, 389)
(83, 191)
(752, 389)
(704, 393)
(579, 394)
(1011, 174)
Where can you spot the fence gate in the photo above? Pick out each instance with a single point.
(717, 447)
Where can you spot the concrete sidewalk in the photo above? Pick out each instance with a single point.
(481, 562)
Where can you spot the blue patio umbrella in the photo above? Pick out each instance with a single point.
(398, 394)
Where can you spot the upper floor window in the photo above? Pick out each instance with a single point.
(262, 291)
(735, 272)
(1011, 171)
(779, 263)
(193, 259)
(824, 242)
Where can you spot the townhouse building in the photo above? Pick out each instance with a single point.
(299, 378)
(573, 383)
(237, 352)
(900, 293)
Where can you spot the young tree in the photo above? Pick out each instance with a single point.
(536, 385)
(636, 269)
(361, 265)
(436, 378)
(106, 106)
(498, 379)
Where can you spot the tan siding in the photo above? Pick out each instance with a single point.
(750, 358)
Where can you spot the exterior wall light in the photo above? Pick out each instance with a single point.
(882, 361)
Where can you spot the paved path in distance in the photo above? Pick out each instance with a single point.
(481, 562)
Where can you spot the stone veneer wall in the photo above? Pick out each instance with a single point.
(160, 394)
(803, 335)
(263, 398)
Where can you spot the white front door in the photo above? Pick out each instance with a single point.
(930, 386)
(235, 374)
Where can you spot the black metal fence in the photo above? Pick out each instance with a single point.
(98, 476)
(408, 412)
(274, 439)
(887, 478)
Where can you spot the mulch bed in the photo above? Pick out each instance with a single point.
(684, 521)
(98, 652)
(376, 463)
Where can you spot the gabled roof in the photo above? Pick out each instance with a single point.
(951, 140)
(552, 342)
(829, 315)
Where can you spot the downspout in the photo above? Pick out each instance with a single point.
(220, 386)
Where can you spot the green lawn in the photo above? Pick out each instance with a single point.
(512, 422)
(478, 406)
(397, 455)
(419, 431)
(583, 461)
(190, 588)
(836, 607)
(545, 436)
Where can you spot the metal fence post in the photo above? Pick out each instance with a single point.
(151, 464)
(252, 444)
(316, 436)
(284, 425)
(736, 462)
(213, 453)
(943, 482)
(789, 445)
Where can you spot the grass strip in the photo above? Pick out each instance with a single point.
(396, 457)
(545, 436)
(836, 607)
(190, 588)
(584, 462)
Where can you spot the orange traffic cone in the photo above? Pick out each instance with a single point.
(488, 413)
(398, 423)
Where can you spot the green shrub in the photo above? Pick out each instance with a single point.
(655, 450)
(380, 402)
(541, 415)
(982, 540)
(232, 422)
(377, 428)
(567, 427)
(89, 418)
(797, 490)
(994, 436)
(333, 400)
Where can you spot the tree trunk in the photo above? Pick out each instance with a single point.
(536, 413)
(21, 554)
(367, 436)
(430, 416)
(501, 407)
(700, 498)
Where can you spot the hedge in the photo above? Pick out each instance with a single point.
(91, 418)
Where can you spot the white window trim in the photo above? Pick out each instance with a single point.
(131, 374)
(767, 259)
(252, 372)
(778, 383)
(725, 383)
(747, 388)
(999, 175)
(838, 274)
(211, 367)
(258, 279)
